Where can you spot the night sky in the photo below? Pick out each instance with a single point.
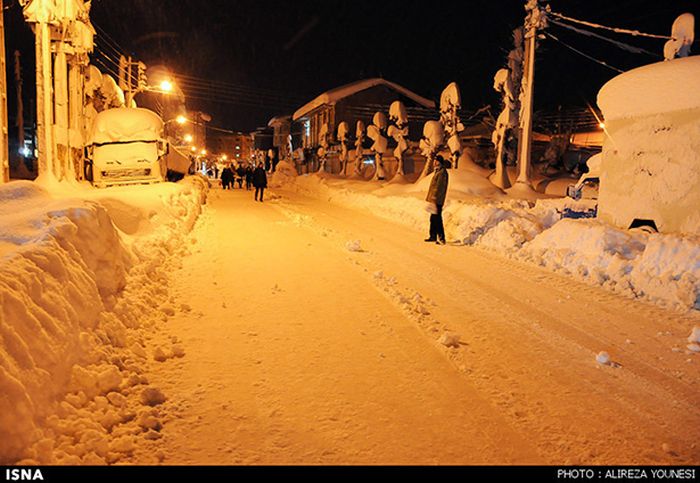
(279, 54)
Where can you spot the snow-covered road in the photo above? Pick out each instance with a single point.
(300, 350)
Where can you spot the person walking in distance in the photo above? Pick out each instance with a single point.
(227, 177)
(259, 181)
(436, 200)
(249, 176)
(240, 175)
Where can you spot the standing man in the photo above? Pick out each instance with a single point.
(259, 181)
(436, 200)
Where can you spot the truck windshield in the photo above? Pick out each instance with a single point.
(126, 154)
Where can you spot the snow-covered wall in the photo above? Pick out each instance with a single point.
(651, 157)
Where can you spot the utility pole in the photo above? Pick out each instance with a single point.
(4, 152)
(76, 103)
(69, 23)
(44, 95)
(20, 100)
(536, 20)
(61, 127)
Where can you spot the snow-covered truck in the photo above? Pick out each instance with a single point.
(650, 172)
(126, 146)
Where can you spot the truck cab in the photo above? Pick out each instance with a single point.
(126, 146)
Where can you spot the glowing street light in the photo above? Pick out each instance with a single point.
(194, 149)
(224, 157)
(166, 86)
(601, 125)
(181, 119)
(203, 152)
(188, 138)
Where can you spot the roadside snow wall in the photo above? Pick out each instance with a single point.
(71, 287)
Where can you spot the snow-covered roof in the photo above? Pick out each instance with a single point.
(652, 89)
(126, 124)
(335, 95)
(278, 120)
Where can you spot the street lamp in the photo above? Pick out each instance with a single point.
(188, 138)
(166, 86)
(203, 152)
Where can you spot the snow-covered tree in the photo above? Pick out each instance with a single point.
(376, 132)
(344, 139)
(507, 82)
(508, 119)
(430, 144)
(324, 145)
(399, 132)
(450, 104)
(683, 33)
(359, 141)
(290, 149)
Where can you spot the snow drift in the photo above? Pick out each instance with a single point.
(75, 292)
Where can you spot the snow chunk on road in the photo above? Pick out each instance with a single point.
(450, 340)
(354, 246)
(152, 396)
(694, 336)
(603, 358)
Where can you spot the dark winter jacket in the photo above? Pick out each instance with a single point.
(259, 178)
(438, 186)
(240, 171)
(226, 176)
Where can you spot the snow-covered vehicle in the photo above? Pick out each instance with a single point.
(592, 177)
(126, 146)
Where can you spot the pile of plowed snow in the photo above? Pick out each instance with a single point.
(82, 290)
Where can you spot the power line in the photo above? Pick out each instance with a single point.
(224, 83)
(635, 33)
(239, 92)
(616, 43)
(233, 101)
(553, 37)
(109, 39)
(237, 89)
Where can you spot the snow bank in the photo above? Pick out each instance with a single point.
(661, 268)
(284, 174)
(76, 296)
(461, 182)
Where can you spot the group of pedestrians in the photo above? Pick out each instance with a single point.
(257, 178)
(253, 178)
